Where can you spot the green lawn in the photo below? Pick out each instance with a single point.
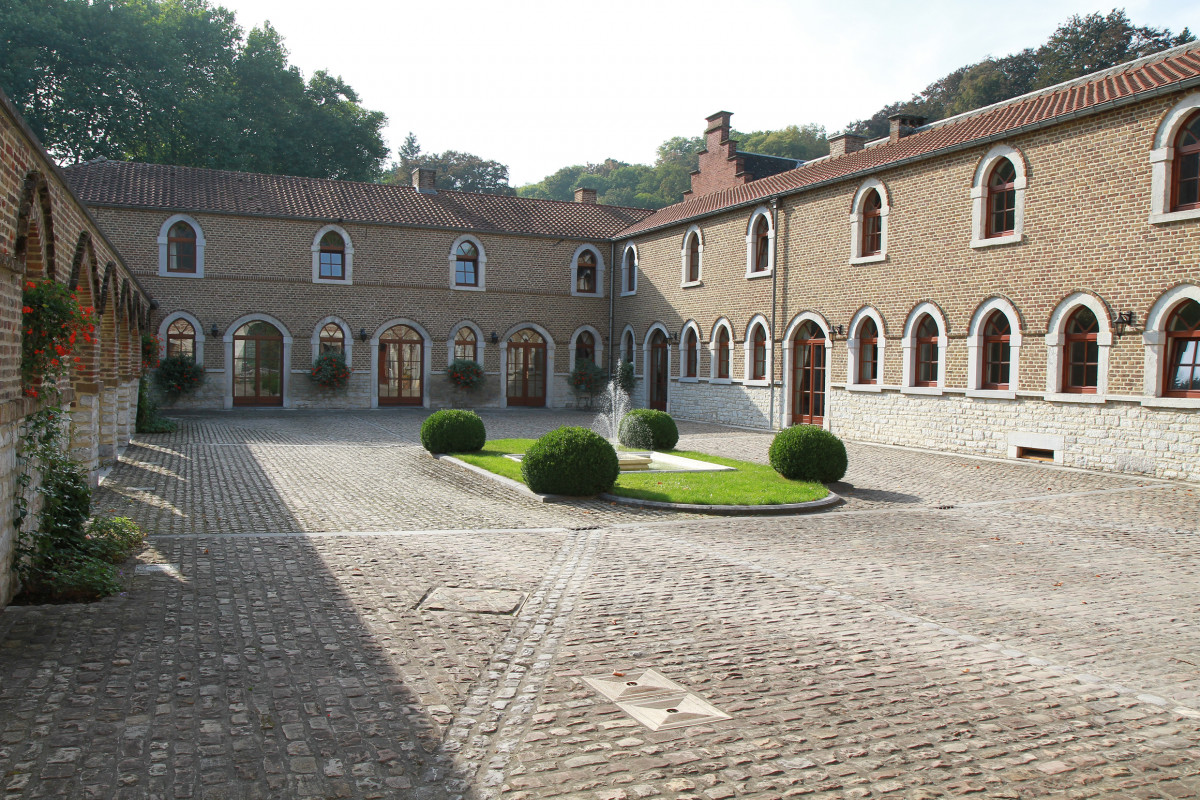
(750, 485)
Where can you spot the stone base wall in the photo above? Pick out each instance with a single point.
(85, 433)
(1116, 436)
(724, 404)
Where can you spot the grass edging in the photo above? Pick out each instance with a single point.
(509, 482)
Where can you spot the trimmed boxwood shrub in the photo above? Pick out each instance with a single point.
(808, 453)
(453, 430)
(570, 461)
(662, 428)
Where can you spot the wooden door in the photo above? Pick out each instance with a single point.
(526, 379)
(808, 376)
(659, 370)
(401, 364)
(258, 365)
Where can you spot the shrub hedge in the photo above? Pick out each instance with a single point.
(662, 428)
(571, 461)
(453, 430)
(808, 453)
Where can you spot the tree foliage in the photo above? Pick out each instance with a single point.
(175, 82)
(462, 172)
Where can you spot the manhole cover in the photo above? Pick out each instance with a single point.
(473, 601)
(634, 685)
(655, 700)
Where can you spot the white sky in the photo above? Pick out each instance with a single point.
(542, 85)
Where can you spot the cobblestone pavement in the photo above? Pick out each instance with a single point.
(1038, 638)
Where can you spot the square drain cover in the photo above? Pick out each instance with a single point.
(634, 686)
(655, 700)
(473, 601)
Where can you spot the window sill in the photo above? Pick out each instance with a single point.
(689, 380)
(1174, 216)
(756, 382)
(766, 273)
(1171, 402)
(162, 273)
(334, 281)
(629, 294)
(593, 295)
(690, 284)
(864, 387)
(1076, 397)
(875, 259)
(720, 381)
(992, 394)
(466, 288)
(932, 391)
(997, 241)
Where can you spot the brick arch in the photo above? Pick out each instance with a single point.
(33, 249)
(82, 283)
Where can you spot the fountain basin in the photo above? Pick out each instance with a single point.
(653, 461)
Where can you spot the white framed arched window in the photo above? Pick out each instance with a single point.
(994, 349)
(1172, 341)
(586, 343)
(924, 346)
(998, 198)
(864, 351)
(324, 336)
(465, 341)
(332, 256)
(869, 223)
(174, 332)
(690, 342)
(181, 248)
(692, 258)
(629, 347)
(760, 244)
(1078, 341)
(1173, 162)
(758, 353)
(468, 264)
(629, 270)
(587, 272)
(720, 349)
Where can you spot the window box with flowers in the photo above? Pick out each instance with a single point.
(330, 370)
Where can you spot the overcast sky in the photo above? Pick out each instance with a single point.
(542, 85)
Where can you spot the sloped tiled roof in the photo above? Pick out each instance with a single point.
(137, 185)
(1163, 71)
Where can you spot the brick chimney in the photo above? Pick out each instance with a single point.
(585, 196)
(841, 144)
(424, 179)
(720, 165)
(902, 125)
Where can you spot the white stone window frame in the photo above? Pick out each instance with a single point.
(163, 259)
(628, 331)
(550, 347)
(480, 342)
(975, 353)
(854, 379)
(765, 213)
(684, 283)
(285, 376)
(626, 266)
(575, 272)
(712, 351)
(758, 320)
(596, 341)
(174, 316)
(1056, 340)
(426, 357)
(480, 265)
(909, 346)
(646, 355)
(1155, 340)
(789, 353)
(1162, 160)
(690, 325)
(979, 197)
(348, 259)
(856, 222)
(347, 337)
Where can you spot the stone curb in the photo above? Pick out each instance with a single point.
(810, 507)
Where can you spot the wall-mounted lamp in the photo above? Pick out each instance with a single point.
(1125, 320)
(840, 330)
(215, 331)
(362, 334)
(494, 338)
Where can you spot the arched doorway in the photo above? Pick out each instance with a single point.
(401, 362)
(808, 375)
(660, 359)
(526, 378)
(257, 365)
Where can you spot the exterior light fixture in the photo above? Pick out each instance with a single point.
(215, 331)
(362, 334)
(840, 330)
(1125, 320)
(494, 338)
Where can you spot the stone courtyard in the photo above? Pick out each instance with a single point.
(959, 627)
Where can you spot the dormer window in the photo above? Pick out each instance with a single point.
(332, 257)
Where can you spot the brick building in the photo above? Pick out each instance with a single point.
(1021, 280)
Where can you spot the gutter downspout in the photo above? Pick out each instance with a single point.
(612, 269)
(774, 284)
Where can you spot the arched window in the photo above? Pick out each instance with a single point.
(585, 273)
(762, 245)
(872, 224)
(1002, 199)
(1182, 377)
(181, 339)
(466, 265)
(181, 248)
(997, 353)
(1081, 358)
(691, 354)
(723, 353)
(332, 257)
(1186, 169)
(693, 249)
(868, 352)
(927, 356)
(585, 348)
(630, 267)
(627, 346)
(465, 344)
(758, 357)
(333, 339)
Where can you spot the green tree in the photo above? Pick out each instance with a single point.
(455, 171)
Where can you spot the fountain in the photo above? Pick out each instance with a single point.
(608, 423)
